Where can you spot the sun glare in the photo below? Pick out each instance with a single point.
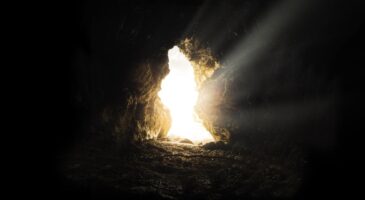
(179, 94)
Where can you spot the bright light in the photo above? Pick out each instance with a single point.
(179, 94)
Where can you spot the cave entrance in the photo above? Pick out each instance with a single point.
(179, 95)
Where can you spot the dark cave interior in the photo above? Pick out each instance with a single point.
(283, 105)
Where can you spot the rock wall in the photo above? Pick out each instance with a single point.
(205, 64)
(119, 58)
(284, 89)
(141, 116)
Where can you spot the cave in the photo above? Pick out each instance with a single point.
(207, 99)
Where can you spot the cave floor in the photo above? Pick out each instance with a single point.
(165, 170)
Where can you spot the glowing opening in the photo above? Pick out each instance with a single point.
(179, 94)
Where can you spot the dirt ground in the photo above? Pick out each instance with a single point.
(168, 170)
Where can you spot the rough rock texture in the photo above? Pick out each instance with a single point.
(205, 64)
(201, 57)
(142, 116)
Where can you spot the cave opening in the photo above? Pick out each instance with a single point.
(179, 94)
(204, 99)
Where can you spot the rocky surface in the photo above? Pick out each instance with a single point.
(172, 170)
